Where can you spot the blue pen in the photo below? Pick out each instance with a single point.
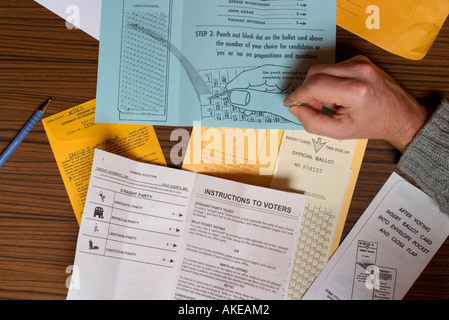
(23, 133)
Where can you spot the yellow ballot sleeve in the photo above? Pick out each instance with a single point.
(74, 136)
(407, 28)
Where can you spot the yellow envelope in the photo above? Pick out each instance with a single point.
(407, 28)
(244, 155)
(74, 135)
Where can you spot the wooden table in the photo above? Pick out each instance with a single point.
(40, 57)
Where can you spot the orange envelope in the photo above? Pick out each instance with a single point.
(407, 28)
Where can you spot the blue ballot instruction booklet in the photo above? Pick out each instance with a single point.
(223, 63)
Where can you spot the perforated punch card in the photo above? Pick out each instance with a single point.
(326, 171)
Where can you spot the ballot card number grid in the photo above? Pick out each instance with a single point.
(313, 248)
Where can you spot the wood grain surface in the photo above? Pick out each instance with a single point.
(41, 58)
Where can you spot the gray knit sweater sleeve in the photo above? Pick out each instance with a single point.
(426, 159)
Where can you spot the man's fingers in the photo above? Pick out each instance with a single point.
(327, 90)
(315, 122)
(351, 68)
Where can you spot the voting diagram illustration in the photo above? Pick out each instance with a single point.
(245, 94)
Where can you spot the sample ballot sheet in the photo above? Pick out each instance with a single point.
(219, 62)
(151, 232)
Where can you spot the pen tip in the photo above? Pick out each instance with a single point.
(45, 105)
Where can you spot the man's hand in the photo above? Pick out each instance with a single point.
(368, 104)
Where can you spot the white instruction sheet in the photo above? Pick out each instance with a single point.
(151, 232)
(82, 14)
(388, 248)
